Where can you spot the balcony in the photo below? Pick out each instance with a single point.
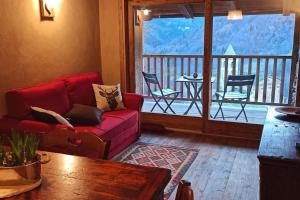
(273, 85)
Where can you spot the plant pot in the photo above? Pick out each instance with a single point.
(23, 174)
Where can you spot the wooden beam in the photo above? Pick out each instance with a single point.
(296, 52)
(170, 8)
(189, 125)
(231, 5)
(207, 61)
(139, 46)
(131, 48)
(162, 2)
(186, 10)
(123, 38)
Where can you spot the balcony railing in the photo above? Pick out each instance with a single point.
(274, 75)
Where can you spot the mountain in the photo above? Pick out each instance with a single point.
(254, 35)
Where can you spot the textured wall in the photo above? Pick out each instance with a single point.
(110, 40)
(33, 52)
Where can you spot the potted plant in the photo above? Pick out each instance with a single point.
(20, 164)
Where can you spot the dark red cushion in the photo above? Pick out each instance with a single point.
(31, 126)
(133, 101)
(125, 138)
(52, 96)
(80, 88)
(115, 126)
(129, 117)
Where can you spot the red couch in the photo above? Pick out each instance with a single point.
(120, 127)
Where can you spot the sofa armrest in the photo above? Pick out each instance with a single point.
(133, 101)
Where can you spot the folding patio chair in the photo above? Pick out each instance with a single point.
(236, 94)
(160, 94)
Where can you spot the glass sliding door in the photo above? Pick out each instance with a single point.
(169, 48)
(255, 47)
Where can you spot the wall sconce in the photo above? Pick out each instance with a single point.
(46, 10)
(235, 15)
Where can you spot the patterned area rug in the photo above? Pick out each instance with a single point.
(178, 160)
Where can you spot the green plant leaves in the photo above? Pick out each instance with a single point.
(31, 147)
(23, 147)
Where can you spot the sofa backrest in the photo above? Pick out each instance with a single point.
(58, 96)
(52, 96)
(80, 88)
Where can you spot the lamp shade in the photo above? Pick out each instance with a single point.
(235, 15)
(146, 12)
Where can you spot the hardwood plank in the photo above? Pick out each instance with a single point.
(257, 79)
(161, 72)
(234, 66)
(274, 81)
(168, 72)
(250, 66)
(189, 73)
(214, 190)
(250, 174)
(266, 80)
(186, 10)
(196, 64)
(148, 69)
(282, 80)
(242, 71)
(224, 168)
(249, 70)
(218, 74)
(175, 73)
(196, 68)
(233, 70)
(243, 181)
(148, 64)
(226, 71)
(205, 163)
(182, 73)
(155, 69)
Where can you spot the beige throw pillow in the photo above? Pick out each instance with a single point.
(108, 97)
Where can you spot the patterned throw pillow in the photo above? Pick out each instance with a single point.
(108, 97)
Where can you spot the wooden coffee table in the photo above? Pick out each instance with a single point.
(71, 177)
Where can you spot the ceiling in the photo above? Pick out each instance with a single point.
(220, 7)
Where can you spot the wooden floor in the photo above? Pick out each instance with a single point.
(225, 169)
(255, 114)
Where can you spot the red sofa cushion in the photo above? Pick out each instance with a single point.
(133, 101)
(52, 96)
(130, 117)
(80, 88)
(31, 126)
(124, 140)
(116, 126)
